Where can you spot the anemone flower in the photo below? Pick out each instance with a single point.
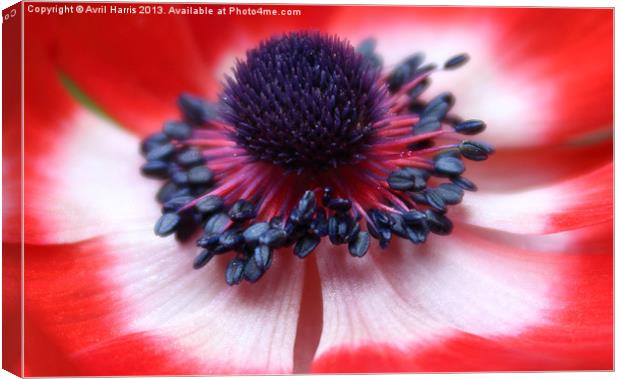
(327, 166)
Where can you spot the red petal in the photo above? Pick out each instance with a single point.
(586, 200)
(510, 170)
(469, 303)
(134, 66)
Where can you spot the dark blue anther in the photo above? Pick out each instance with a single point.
(380, 218)
(438, 223)
(419, 89)
(366, 49)
(417, 233)
(306, 206)
(359, 245)
(180, 177)
(450, 193)
(153, 141)
(167, 224)
(176, 203)
(230, 239)
(438, 107)
(253, 233)
(456, 61)
(161, 152)
(195, 110)
(177, 130)
(413, 217)
(305, 245)
(209, 241)
(408, 179)
(202, 259)
(419, 198)
(242, 210)
(234, 271)
(155, 169)
(398, 225)
(199, 175)
(332, 229)
(190, 157)
(262, 256)
(210, 204)
(464, 183)
(448, 165)
(252, 271)
(167, 192)
(404, 72)
(273, 238)
(476, 151)
(470, 127)
(217, 224)
(435, 200)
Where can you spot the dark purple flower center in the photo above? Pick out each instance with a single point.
(304, 101)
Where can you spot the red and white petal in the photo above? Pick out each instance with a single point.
(536, 76)
(578, 202)
(131, 304)
(82, 180)
(124, 291)
(466, 303)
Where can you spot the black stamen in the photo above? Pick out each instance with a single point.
(470, 127)
(202, 259)
(449, 165)
(456, 61)
(167, 224)
(464, 183)
(359, 246)
(242, 210)
(177, 130)
(195, 110)
(476, 151)
(234, 271)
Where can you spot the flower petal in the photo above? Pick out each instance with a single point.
(578, 202)
(536, 76)
(467, 303)
(82, 180)
(135, 296)
(132, 66)
(510, 170)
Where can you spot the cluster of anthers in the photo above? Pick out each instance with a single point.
(311, 138)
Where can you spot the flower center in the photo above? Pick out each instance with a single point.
(304, 101)
(384, 162)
